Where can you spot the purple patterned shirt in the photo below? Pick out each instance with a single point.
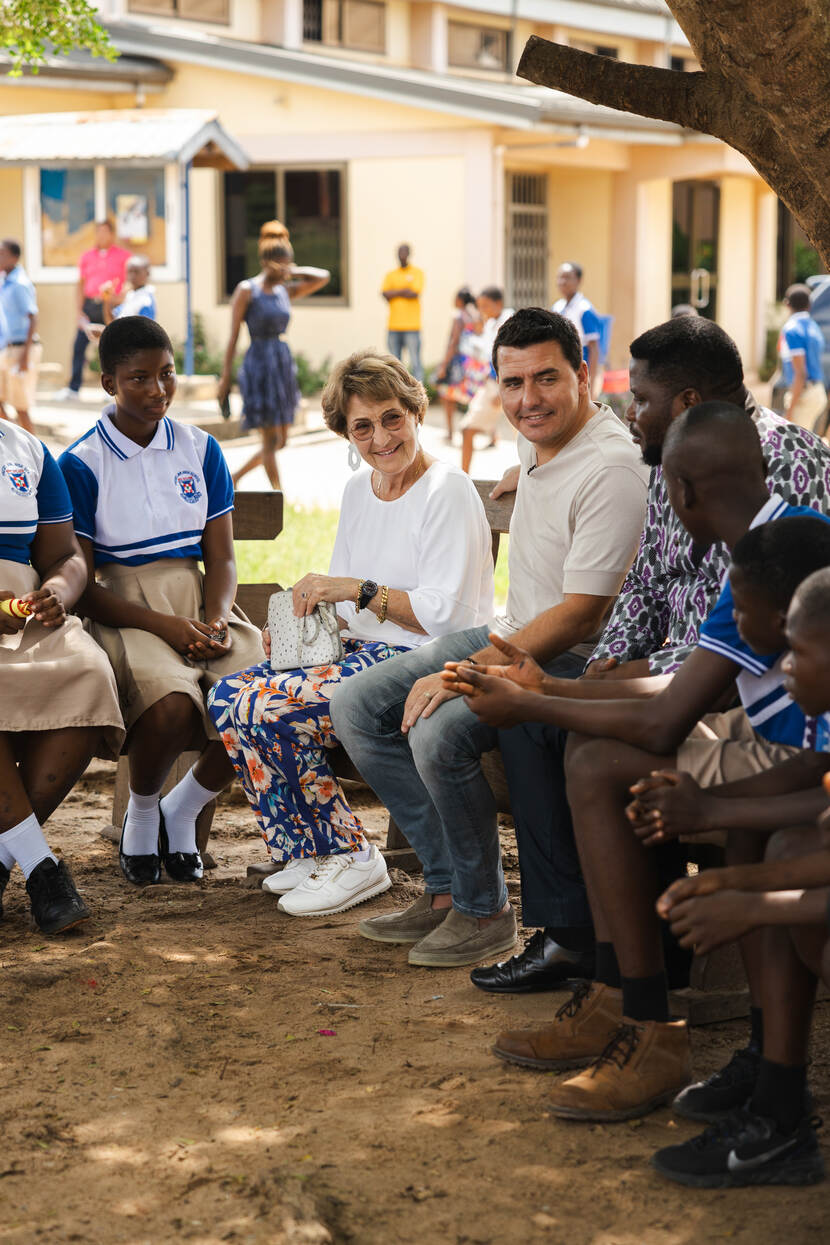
(672, 584)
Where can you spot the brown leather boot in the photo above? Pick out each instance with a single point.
(644, 1065)
(580, 1031)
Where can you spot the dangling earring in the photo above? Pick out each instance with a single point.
(354, 457)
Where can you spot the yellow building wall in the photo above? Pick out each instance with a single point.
(736, 263)
(579, 228)
(389, 201)
(253, 105)
(24, 100)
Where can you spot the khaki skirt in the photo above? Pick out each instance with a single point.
(146, 668)
(55, 677)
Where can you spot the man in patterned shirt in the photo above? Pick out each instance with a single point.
(654, 625)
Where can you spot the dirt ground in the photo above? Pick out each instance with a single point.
(193, 1065)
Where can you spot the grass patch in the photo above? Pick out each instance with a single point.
(305, 545)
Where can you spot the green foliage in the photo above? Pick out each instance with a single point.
(311, 379)
(206, 360)
(305, 544)
(32, 30)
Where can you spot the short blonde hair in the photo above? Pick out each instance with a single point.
(368, 374)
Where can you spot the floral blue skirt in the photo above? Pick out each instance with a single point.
(276, 727)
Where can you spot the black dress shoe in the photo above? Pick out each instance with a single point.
(56, 904)
(140, 870)
(180, 866)
(4, 881)
(543, 965)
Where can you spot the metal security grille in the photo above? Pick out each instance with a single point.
(527, 240)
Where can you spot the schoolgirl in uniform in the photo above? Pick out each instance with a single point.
(59, 704)
(152, 498)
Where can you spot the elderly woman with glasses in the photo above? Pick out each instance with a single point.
(412, 560)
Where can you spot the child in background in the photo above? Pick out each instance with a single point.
(151, 499)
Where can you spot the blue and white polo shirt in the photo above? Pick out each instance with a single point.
(801, 335)
(771, 710)
(141, 503)
(583, 316)
(140, 302)
(32, 491)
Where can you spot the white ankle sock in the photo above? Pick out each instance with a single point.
(26, 844)
(7, 858)
(181, 807)
(141, 832)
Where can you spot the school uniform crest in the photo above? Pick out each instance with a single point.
(18, 478)
(187, 483)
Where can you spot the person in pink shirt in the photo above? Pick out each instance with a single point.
(102, 265)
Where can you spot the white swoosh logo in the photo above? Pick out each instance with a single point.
(734, 1164)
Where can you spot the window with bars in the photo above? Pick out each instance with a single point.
(478, 47)
(310, 201)
(359, 25)
(218, 11)
(527, 240)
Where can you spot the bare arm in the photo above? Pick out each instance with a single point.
(657, 724)
(799, 365)
(594, 369)
(304, 281)
(239, 305)
(407, 293)
(23, 363)
(105, 607)
(335, 588)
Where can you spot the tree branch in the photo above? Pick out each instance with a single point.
(665, 94)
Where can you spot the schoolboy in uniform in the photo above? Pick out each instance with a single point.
(770, 1138)
(58, 705)
(152, 498)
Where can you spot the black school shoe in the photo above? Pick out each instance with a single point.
(56, 904)
(542, 965)
(725, 1090)
(139, 870)
(180, 866)
(745, 1149)
(4, 881)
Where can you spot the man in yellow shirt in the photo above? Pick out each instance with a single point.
(402, 290)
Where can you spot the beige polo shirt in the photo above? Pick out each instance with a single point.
(576, 522)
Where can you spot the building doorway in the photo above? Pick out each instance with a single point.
(694, 256)
(526, 247)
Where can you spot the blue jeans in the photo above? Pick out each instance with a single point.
(431, 780)
(95, 311)
(410, 341)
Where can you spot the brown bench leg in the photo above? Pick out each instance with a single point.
(398, 852)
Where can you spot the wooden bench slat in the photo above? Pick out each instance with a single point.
(257, 516)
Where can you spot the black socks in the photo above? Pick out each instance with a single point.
(646, 998)
(607, 970)
(779, 1094)
(572, 937)
(756, 1029)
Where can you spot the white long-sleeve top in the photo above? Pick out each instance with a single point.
(433, 543)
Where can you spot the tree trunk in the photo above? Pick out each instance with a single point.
(761, 89)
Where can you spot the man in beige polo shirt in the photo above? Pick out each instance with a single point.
(580, 506)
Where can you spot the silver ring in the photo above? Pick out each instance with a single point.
(428, 695)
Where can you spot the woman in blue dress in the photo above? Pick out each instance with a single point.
(268, 376)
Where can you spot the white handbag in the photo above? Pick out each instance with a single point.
(313, 640)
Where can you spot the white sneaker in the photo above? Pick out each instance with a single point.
(295, 872)
(65, 395)
(338, 883)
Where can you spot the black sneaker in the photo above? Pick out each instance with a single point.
(745, 1149)
(4, 881)
(724, 1091)
(56, 904)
